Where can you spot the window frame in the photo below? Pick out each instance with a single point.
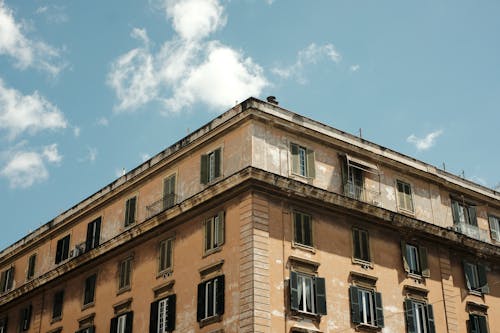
(302, 161)
(480, 322)
(30, 272)
(467, 210)
(494, 224)
(316, 294)
(7, 279)
(4, 324)
(358, 307)
(89, 289)
(364, 259)
(62, 249)
(421, 259)
(168, 315)
(57, 305)
(25, 318)
(475, 275)
(93, 238)
(301, 242)
(211, 166)
(122, 322)
(125, 274)
(204, 315)
(408, 197)
(130, 216)
(413, 310)
(169, 191)
(166, 255)
(214, 230)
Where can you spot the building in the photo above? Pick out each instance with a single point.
(264, 221)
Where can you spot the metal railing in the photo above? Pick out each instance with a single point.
(354, 191)
(160, 205)
(472, 231)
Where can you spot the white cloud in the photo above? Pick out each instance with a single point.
(145, 157)
(26, 52)
(424, 143)
(186, 70)
(91, 154)
(25, 168)
(103, 121)
(76, 131)
(32, 113)
(53, 13)
(311, 55)
(354, 68)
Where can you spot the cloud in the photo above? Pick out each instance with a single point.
(25, 168)
(187, 69)
(32, 113)
(53, 13)
(425, 143)
(76, 131)
(311, 55)
(354, 68)
(103, 121)
(26, 52)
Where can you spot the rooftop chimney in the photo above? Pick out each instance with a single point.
(272, 100)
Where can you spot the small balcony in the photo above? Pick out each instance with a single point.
(472, 231)
(160, 205)
(354, 191)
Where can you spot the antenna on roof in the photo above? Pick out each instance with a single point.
(444, 166)
(360, 133)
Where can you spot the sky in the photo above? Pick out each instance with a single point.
(89, 89)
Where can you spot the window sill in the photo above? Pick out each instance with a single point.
(475, 293)
(406, 212)
(418, 278)
(210, 320)
(296, 314)
(211, 251)
(88, 305)
(55, 320)
(123, 290)
(165, 273)
(303, 247)
(362, 263)
(367, 327)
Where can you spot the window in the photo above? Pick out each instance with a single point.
(302, 161)
(6, 279)
(25, 318)
(122, 323)
(93, 234)
(405, 199)
(130, 206)
(90, 329)
(31, 267)
(361, 246)
(419, 317)
(169, 191)
(494, 227)
(165, 257)
(415, 259)
(58, 304)
(366, 307)
(477, 324)
(475, 277)
(307, 293)
(214, 232)
(89, 292)
(162, 316)
(125, 268)
(210, 298)
(302, 229)
(210, 166)
(353, 182)
(62, 251)
(463, 213)
(3, 324)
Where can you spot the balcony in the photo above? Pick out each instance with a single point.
(472, 231)
(160, 205)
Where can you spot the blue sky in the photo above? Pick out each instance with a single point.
(89, 88)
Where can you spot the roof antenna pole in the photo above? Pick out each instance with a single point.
(360, 133)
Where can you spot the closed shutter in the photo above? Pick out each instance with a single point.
(410, 316)
(169, 192)
(424, 265)
(483, 325)
(218, 160)
(483, 282)
(220, 295)
(468, 274)
(129, 320)
(320, 295)
(472, 215)
(88, 240)
(379, 315)
(65, 247)
(365, 246)
(171, 304)
(10, 280)
(91, 329)
(405, 259)
(294, 292)
(494, 225)
(356, 244)
(114, 325)
(59, 251)
(354, 302)
(455, 211)
(130, 211)
(153, 318)
(200, 313)
(430, 319)
(295, 158)
(311, 168)
(204, 169)
(3, 281)
(97, 234)
(220, 229)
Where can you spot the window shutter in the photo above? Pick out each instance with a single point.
(220, 229)
(472, 215)
(66, 247)
(379, 309)
(217, 156)
(220, 295)
(169, 191)
(26, 318)
(91, 329)
(130, 218)
(422, 252)
(455, 212)
(200, 313)
(468, 273)
(204, 169)
(153, 318)
(405, 259)
(88, 240)
(294, 292)
(430, 319)
(356, 243)
(483, 326)
(207, 224)
(311, 168)
(295, 158)
(3, 281)
(494, 225)
(170, 324)
(97, 232)
(114, 325)
(10, 282)
(410, 316)
(354, 300)
(129, 320)
(320, 295)
(483, 282)
(59, 251)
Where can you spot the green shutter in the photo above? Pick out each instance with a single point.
(379, 309)
(200, 311)
(455, 211)
(354, 303)
(153, 318)
(483, 282)
(10, 282)
(365, 245)
(218, 160)
(129, 320)
(473, 327)
(320, 295)
(356, 243)
(220, 228)
(294, 292)
(468, 274)
(405, 259)
(410, 316)
(170, 324)
(424, 265)
(113, 327)
(295, 158)
(204, 169)
(495, 233)
(311, 168)
(3, 281)
(472, 215)
(430, 319)
(483, 325)
(220, 295)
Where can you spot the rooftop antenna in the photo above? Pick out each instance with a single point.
(463, 174)
(360, 133)
(444, 166)
(123, 172)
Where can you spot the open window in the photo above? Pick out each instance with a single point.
(122, 323)
(302, 161)
(475, 277)
(354, 171)
(307, 293)
(415, 259)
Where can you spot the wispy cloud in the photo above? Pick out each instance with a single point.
(32, 113)
(103, 121)
(26, 52)
(187, 69)
(53, 13)
(426, 142)
(310, 55)
(90, 155)
(27, 167)
(354, 68)
(76, 131)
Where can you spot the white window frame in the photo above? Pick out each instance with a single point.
(306, 294)
(367, 307)
(162, 316)
(413, 258)
(121, 323)
(212, 284)
(419, 309)
(303, 221)
(166, 251)
(408, 201)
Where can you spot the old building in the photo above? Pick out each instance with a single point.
(264, 221)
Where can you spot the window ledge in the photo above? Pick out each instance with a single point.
(298, 315)
(418, 278)
(55, 320)
(303, 247)
(362, 263)
(211, 251)
(406, 212)
(210, 320)
(166, 273)
(475, 293)
(123, 290)
(367, 327)
(88, 305)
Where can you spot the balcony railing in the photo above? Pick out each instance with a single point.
(160, 205)
(472, 231)
(354, 191)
